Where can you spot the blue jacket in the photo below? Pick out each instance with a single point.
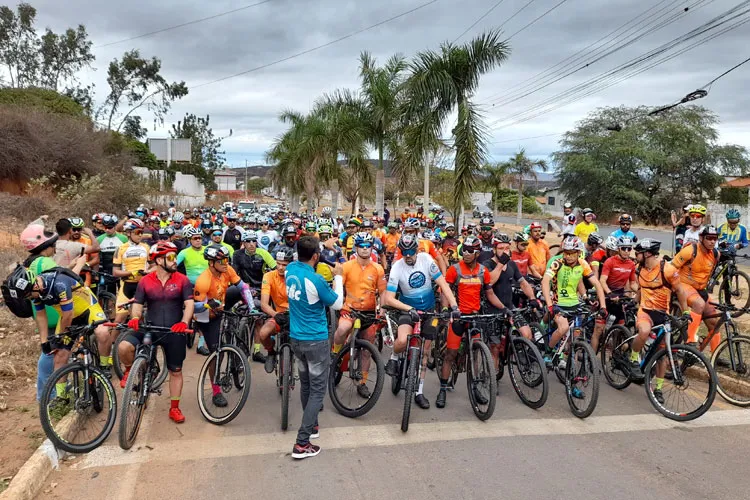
(308, 295)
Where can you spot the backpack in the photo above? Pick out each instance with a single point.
(664, 283)
(19, 306)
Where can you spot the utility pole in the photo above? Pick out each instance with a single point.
(245, 178)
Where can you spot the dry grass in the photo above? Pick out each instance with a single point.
(19, 347)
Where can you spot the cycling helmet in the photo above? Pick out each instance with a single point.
(594, 239)
(153, 218)
(393, 225)
(206, 224)
(249, 235)
(163, 215)
(427, 234)
(567, 204)
(408, 242)
(325, 229)
(289, 230)
(411, 223)
(697, 209)
(161, 248)
(171, 203)
(569, 219)
(21, 279)
(709, 230)
(521, 238)
(286, 254)
(178, 217)
(326, 212)
(471, 225)
(572, 243)
(472, 242)
(534, 225)
(733, 214)
(450, 226)
(611, 243)
(486, 221)
(132, 224)
(648, 245)
(76, 222)
(297, 221)
(624, 241)
(35, 239)
(500, 238)
(232, 216)
(252, 219)
(97, 217)
(110, 220)
(191, 231)
(587, 211)
(215, 252)
(310, 227)
(363, 239)
(367, 224)
(625, 219)
(166, 232)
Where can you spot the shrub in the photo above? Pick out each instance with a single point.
(41, 99)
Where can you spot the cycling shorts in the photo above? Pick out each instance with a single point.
(211, 332)
(651, 317)
(93, 313)
(125, 293)
(366, 323)
(456, 331)
(428, 325)
(693, 295)
(175, 346)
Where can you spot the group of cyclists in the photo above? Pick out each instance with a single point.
(184, 267)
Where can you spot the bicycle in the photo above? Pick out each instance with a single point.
(735, 284)
(225, 369)
(161, 354)
(683, 364)
(89, 395)
(351, 368)
(285, 370)
(107, 299)
(142, 382)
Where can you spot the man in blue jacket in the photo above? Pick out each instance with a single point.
(309, 295)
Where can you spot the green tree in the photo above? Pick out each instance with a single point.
(44, 99)
(255, 186)
(135, 82)
(521, 168)
(133, 129)
(440, 84)
(653, 164)
(205, 146)
(64, 55)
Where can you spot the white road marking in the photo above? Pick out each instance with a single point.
(391, 435)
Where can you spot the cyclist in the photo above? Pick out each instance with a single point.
(233, 234)
(330, 253)
(732, 232)
(130, 263)
(190, 262)
(413, 277)
(81, 234)
(696, 263)
(109, 242)
(486, 226)
(587, 226)
(469, 280)
(521, 254)
(363, 281)
(504, 274)
(169, 297)
(697, 216)
(391, 240)
(411, 226)
(96, 224)
(266, 236)
(347, 237)
(274, 302)
(568, 219)
(617, 277)
(657, 279)
(206, 227)
(449, 245)
(595, 255)
(539, 253)
(216, 239)
(289, 235)
(210, 295)
(625, 222)
(680, 226)
(560, 288)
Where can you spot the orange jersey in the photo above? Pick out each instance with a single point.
(391, 242)
(275, 287)
(695, 271)
(425, 246)
(655, 293)
(379, 234)
(538, 254)
(208, 286)
(362, 285)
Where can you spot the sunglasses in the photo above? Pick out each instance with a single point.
(625, 224)
(138, 232)
(627, 249)
(216, 233)
(571, 253)
(485, 228)
(196, 238)
(409, 253)
(364, 245)
(470, 250)
(223, 262)
(170, 257)
(711, 238)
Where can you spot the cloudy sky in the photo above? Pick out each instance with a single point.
(249, 104)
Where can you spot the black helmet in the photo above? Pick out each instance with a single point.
(408, 242)
(285, 254)
(215, 252)
(501, 238)
(21, 280)
(648, 245)
(289, 230)
(486, 221)
(709, 230)
(595, 239)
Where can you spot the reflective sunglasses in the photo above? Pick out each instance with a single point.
(470, 250)
(138, 232)
(216, 233)
(223, 262)
(364, 245)
(627, 249)
(409, 253)
(196, 238)
(170, 257)
(486, 228)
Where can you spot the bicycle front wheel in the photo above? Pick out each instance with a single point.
(411, 387)
(223, 385)
(731, 361)
(108, 302)
(528, 375)
(480, 381)
(735, 290)
(355, 382)
(80, 419)
(285, 371)
(615, 349)
(582, 379)
(134, 400)
(117, 366)
(688, 391)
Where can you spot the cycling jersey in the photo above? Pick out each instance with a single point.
(471, 283)
(522, 261)
(692, 235)
(619, 272)
(584, 229)
(233, 238)
(597, 258)
(64, 294)
(391, 242)
(449, 246)
(208, 286)
(425, 246)
(628, 234)
(503, 287)
(696, 265)
(487, 251)
(165, 302)
(347, 243)
(251, 267)
(275, 287)
(735, 236)
(132, 257)
(192, 261)
(37, 264)
(565, 280)
(362, 285)
(266, 238)
(538, 254)
(414, 283)
(328, 258)
(656, 285)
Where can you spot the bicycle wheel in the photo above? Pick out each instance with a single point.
(396, 381)
(582, 379)
(735, 290)
(244, 334)
(117, 366)
(230, 379)
(347, 374)
(286, 384)
(615, 350)
(689, 391)
(108, 301)
(730, 362)
(480, 381)
(134, 402)
(527, 372)
(159, 369)
(82, 419)
(411, 387)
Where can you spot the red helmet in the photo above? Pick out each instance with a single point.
(160, 249)
(132, 224)
(535, 225)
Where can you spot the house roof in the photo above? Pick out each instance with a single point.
(738, 182)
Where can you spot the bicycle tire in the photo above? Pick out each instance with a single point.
(61, 442)
(333, 383)
(190, 340)
(741, 367)
(136, 378)
(161, 357)
(116, 365)
(286, 366)
(411, 388)
(588, 363)
(680, 362)
(244, 336)
(482, 353)
(232, 355)
(728, 289)
(613, 363)
(108, 302)
(527, 348)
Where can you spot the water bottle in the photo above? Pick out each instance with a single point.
(147, 338)
(650, 340)
(539, 337)
(610, 322)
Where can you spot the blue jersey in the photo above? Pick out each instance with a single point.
(414, 283)
(630, 234)
(736, 236)
(308, 295)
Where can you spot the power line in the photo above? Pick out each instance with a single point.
(538, 18)
(478, 20)
(725, 73)
(524, 138)
(313, 49)
(516, 13)
(189, 23)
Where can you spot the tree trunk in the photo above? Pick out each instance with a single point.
(380, 181)
(426, 201)
(294, 203)
(335, 198)
(520, 200)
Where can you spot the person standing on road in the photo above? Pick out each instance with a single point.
(309, 295)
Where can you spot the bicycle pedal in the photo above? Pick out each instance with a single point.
(157, 391)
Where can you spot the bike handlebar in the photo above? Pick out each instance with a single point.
(146, 327)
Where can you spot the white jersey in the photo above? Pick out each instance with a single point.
(691, 235)
(265, 238)
(414, 283)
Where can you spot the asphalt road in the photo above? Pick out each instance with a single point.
(625, 450)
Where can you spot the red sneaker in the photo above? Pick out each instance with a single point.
(176, 415)
(124, 379)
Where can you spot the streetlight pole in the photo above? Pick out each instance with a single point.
(245, 178)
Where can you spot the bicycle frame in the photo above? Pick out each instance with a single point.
(725, 320)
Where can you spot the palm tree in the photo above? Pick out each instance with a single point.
(439, 84)
(495, 175)
(381, 92)
(522, 167)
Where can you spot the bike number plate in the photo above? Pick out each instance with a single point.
(357, 323)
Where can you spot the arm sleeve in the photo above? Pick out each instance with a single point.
(270, 262)
(338, 289)
(743, 236)
(587, 271)
(180, 257)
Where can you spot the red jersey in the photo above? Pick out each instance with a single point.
(522, 261)
(619, 272)
(470, 286)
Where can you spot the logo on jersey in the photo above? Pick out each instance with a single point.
(265, 240)
(293, 288)
(417, 279)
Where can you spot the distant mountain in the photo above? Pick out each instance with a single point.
(252, 171)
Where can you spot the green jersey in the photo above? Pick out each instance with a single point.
(193, 262)
(565, 280)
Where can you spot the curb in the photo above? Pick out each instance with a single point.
(30, 479)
